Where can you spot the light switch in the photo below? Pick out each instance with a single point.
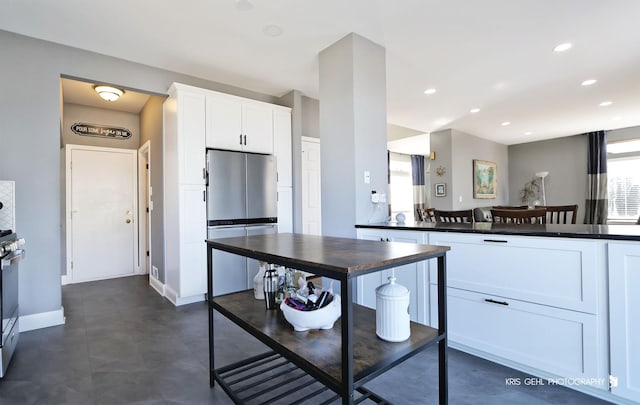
(367, 177)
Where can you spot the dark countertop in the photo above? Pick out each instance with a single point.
(610, 232)
(338, 258)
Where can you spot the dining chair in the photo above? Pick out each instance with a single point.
(426, 214)
(454, 216)
(519, 216)
(561, 214)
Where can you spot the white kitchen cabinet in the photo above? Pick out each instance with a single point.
(559, 272)
(525, 301)
(285, 209)
(413, 276)
(184, 194)
(558, 341)
(624, 322)
(282, 146)
(236, 123)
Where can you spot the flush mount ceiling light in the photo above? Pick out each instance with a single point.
(528, 133)
(589, 82)
(430, 91)
(606, 103)
(474, 110)
(504, 124)
(562, 47)
(109, 93)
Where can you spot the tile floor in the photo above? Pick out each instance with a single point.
(124, 344)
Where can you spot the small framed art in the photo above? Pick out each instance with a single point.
(441, 189)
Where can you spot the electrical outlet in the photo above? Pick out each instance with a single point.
(154, 271)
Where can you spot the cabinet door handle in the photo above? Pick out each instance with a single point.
(204, 196)
(245, 140)
(496, 302)
(240, 139)
(496, 241)
(381, 239)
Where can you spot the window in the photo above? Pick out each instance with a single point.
(400, 185)
(623, 181)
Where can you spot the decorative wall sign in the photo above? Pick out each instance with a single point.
(485, 179)
(441, 189)
(102, 131)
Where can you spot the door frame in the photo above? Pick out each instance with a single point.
(144, 201)
(68, 277)
(305, 214)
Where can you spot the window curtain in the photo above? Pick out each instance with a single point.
(419, 189)
(596, 202)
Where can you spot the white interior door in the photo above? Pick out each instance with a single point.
(311, 196)
(103, 212)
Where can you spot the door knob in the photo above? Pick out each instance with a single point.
(128, 221)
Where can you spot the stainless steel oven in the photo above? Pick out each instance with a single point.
(10, 255)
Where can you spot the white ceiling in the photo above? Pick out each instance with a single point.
(492, 54)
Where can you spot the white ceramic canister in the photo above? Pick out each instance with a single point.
(392, 312)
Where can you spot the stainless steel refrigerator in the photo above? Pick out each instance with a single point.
(241, 200)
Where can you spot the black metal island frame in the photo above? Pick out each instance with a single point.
(341, 359)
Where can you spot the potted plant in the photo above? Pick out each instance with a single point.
(529, 193)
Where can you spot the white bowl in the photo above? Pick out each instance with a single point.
(322, 318)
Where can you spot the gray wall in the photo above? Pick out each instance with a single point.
(30, 124)
(310, 117)
(352, 133)
(74, 113)
(566, 161)
(455, 151)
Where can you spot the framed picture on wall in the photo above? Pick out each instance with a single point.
(485, 179)
(441, 189)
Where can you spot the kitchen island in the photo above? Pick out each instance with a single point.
(556, 301)
(343, 358)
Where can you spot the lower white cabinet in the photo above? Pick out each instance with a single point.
(285, 209)
(558, 341)
(624, 322)
(413, 276)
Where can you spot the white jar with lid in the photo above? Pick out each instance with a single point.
(392, 312)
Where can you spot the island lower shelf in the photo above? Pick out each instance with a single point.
(319, 351)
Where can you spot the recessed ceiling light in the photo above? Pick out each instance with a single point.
(606, 103)
(528, 133)
(562, 47)
(589, 82)
(474, 110)
(504, 124)
(272, 30)
(244, 5)
(616, 118)
(430, 91)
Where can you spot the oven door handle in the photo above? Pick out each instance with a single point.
(13, 258)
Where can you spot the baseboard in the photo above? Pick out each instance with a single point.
(172, 296)
(64, 280)
(42, 320)
(156, 285)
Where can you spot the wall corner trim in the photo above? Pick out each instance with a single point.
(157, 285)
(42, 320)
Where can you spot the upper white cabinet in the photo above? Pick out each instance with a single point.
(235, 123)
(624, 321)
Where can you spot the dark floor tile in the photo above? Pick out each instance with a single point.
(124, 344)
